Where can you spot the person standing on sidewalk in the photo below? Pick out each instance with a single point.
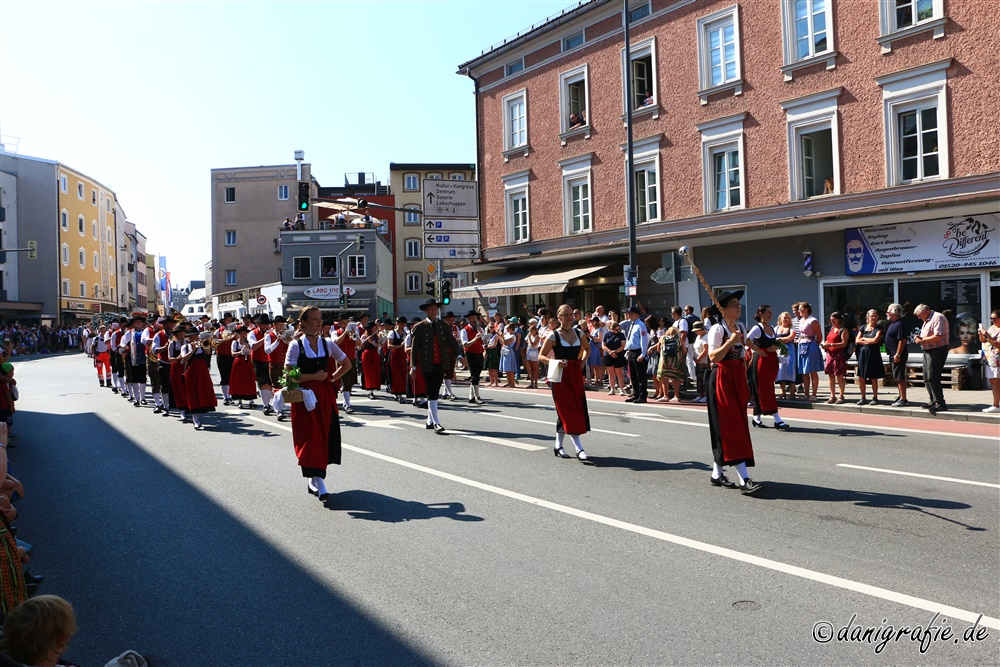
(895, 347)
(990, 338)
(933, 340)
(636, 343)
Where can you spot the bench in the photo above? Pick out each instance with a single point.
(957, 375)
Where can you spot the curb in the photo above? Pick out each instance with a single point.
(950, 415)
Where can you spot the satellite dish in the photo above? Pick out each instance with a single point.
(662, 276)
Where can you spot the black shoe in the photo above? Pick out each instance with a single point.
(428, 426)
(102, 382)
(348, 410)
(227, 402)
(114, 390)
(638, 400)
(722, 481)
(33, 579)
(899, 403)
(560, 452)
(268, 411)
(480, 401)
(158, 410)
(926, 405)
(166, 413)
(472, 401)
(31, 589)
(749, 486)
(251, 406)
(143, 401)
(438, 429)
(758, 424)
(311, 490)
(282, 417)
(136, 403)
(630, 399)
(371, 396)
(781, 426)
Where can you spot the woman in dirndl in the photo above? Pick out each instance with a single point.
(728, 394)
(316, 432)
(568, 347)
(200, 392)
(763, 341)
(242, 380)
(398, 366)
(371, 363)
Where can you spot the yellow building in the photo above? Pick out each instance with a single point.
(88, 281)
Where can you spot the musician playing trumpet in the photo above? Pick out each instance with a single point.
(276, 346)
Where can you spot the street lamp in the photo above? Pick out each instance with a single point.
(632, 270)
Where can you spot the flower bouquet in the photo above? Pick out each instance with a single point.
(290, 381)
(782, 350)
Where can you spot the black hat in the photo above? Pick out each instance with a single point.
(430, 303)
(401, 319)
(449, 314)
(138, 318)
(240, 330)
(343, 315)
(280, 319)
(204, 317)
(225, 315)
(472, 313)
(263, 318)
(723, 298)
(634, 309)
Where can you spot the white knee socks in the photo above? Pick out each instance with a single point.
(576, 442)
(225, 392)
(347, 399)
(265, 396)
(432, 412)
(741, 472)
(447, 387)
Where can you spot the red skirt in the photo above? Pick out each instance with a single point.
(570, 399)
(763, 372)
(371, 367)
(728, 393)
(198, 386)
(397, 370)
(178, 393)
(316, 433)
(242, 380)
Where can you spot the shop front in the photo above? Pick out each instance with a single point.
(521, 290)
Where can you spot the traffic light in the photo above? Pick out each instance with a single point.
(303, 195)
(445, 292)
(32, 249)
(431, 289)
(343, 301)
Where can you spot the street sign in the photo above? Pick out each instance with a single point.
(431, 268)
(452, 238)
(450, 199)
(450, 252)
(261, 300)
(451, 225)
(493, 301)
(447, 274)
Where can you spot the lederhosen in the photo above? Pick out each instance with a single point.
(152, 369)
(761, 374)
(307, 426)
(136, 359)
(224, 359)
(117, 365)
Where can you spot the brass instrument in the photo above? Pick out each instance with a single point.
(287, 335)
(207, 340)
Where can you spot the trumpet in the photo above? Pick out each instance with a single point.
(287, 335)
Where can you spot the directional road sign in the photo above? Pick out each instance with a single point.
(450, 199)
(452, 238)
(446, 252)
(451, 225)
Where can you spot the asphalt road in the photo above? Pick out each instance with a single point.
(479, 547)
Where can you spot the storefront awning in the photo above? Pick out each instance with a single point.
(514, 284)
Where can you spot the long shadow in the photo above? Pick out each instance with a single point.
(642, 465)
(149, 562)
(378, 507)
(844, 432)
(798, 492)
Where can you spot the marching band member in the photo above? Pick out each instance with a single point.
(449, 375)
(258, 356)
(471, 337)
(568, 347)
(158, 350)
(197, 382)
(346, 338)
(102, 360)
(316, 432)
(135, 360)
(152, 366)
(371, 363)
(178, 393)
(224, 355)
(241, 384)
(397, 359)
(434, 350)
(114, 339)
(276, 347)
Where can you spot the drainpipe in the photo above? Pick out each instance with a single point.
(479, 161)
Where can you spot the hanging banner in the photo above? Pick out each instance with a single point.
(931, 245)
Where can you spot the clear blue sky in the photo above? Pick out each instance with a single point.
(147, 97)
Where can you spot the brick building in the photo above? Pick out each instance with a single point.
(845, 153)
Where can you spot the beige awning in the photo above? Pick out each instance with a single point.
(515, 284)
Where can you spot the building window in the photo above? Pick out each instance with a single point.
(807, 35)
(93, 197)
(642, 69)
(64, 254)
(108, 204)
(915, 108)
(576, 175)
(93, 229)
(230, 237)
(356, 266)
(81, 225)
(646, 200)
(63, 184)
(230, 277)
(903, 18)
(719, 52)
(516, 207)
(412, 248)
(456, 176)
(412, 217)
(301, 268)
(572, 41)
(97, 262)
(282, 193)
(230, 195)
(83, 290)
(411, 182)
(414, 281)
(64, 220)
(435, 176)
(328, 266)
(97, 291)
(573, 94)
(515, 125)
(638, 12)
(82, 257)
(79, 191)
(514, 67)
(813, 145)
(65, 287)
(722, 163)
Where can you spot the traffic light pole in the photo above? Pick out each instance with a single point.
(437, 283)
(340, 273)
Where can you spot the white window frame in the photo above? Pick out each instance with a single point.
(567, 46)
(360, 263)
(79, 191)
(64, 254)
(577, 171)
(225, 194)
(511, 142)
(513, 67)
(419, 278)
(456, 176)
(228, 238)
(283, 193)
(412, 248)
(790, 41)
(97, 291)
(81, 256)
(81, 225)
(230, 277)
(639, 51)
(111, 238)
(411, 217)
(437, 176)
(64, 220)
(83, 290)
(721, 134)
(97, 261)
(298, 276)
(705, 25)
(804, 115)
(646, 155)
(65, 287)
(93, 229)
(516, 187)
(633, 8)
(411, 182)
(915, 88)
(567, 79)
(64, 183)
(93, 197)
(889, 32)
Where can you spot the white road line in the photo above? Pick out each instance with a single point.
(647, 417)
(767, 563)
(536, 421)
(914, 474)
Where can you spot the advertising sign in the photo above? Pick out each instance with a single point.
(327, 292)
(931, 245)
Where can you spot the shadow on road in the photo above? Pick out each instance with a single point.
(379, 507)
(151, 563)
(786, 491)
(845, 432)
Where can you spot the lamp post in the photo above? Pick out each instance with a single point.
(632, 270)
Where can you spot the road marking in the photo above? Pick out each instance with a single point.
(647, 417)
(541, 423)
(767, 563)
(914, 474)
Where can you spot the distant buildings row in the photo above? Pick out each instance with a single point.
(90, 258)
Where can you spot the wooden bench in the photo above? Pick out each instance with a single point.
(955, 375)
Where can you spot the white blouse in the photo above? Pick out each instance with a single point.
(292, 356)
